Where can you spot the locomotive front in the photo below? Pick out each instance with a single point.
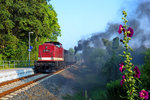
(50, 57)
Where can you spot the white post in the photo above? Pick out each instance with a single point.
(29, 48)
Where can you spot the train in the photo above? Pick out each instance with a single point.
(52, 56)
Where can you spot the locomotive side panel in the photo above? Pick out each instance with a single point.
(58, 53)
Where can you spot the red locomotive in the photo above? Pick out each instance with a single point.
(51, 57)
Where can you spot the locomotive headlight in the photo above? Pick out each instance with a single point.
(46, 50)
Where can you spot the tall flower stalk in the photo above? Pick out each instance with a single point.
(131, 73)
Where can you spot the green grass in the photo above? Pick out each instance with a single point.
(95, 94)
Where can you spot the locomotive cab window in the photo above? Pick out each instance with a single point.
(58, 45)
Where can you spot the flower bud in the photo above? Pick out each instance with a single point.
(129, 38)
(124, 42)
(125, 61)
(130, 63)
(124, 52)
(127, 56)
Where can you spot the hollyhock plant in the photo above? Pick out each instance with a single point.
(143, 94)
(130, 73)
(137, 72)
(120, 29)
(130, 32)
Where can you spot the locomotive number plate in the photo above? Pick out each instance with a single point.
(46, 50)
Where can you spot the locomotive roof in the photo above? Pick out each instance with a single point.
(54, 42)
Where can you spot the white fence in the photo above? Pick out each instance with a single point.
(16, 64)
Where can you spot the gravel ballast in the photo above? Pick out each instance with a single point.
(53, 88)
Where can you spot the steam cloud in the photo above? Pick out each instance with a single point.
(140, 24)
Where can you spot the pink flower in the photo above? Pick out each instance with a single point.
(120, 29)
(122, 81)
(137, 72)
(121, 67)
(144, 94)
(130, 30)
(124, 77)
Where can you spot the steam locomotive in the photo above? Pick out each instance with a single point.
(52, 56)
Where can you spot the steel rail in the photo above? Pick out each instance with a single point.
(26, 84)
(18, 79)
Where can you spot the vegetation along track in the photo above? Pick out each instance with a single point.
(11, 86)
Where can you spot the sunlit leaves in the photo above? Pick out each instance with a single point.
(19, 17)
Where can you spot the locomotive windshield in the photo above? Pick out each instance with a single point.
(56, 44)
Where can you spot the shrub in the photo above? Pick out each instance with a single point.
(115, 91)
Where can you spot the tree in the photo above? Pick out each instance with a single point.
(71, 50)
(17, 18)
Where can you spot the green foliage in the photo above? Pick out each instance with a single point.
(10, 47)
(115, 91)
(145, 76)
(98, 94)
(108, 45)
(22, 50)
(111, 68)
(1, 59)
(95, 57)
(71, 50)
(18, 18)
(76, 96)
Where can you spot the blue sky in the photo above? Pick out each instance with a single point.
(78, 19)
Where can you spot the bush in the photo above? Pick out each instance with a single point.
(98, 94)
(115, 91)
(145, 76)
(76, 96)
(1, 59)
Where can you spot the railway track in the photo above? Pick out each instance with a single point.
(10, 88)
